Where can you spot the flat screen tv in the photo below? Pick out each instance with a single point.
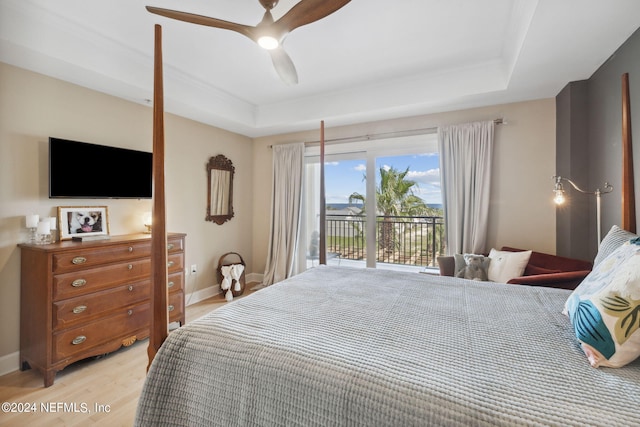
(90, 171)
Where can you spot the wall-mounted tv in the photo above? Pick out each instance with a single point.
(80, 170)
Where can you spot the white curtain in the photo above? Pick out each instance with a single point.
(465, 170)
(288, 168)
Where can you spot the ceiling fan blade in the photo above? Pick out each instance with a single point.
(284, 66)
(204, 20)
(308, 11)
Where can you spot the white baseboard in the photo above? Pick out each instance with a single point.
(254, 277)
(9, 363)
(201, 295)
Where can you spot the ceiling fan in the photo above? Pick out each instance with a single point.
(268, 33)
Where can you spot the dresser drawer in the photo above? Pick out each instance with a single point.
(73, 284)
(176, 306)
(175, 282)
(175, 262)
(85, 308)
(76, 340)
(175, 245)
(91, 257)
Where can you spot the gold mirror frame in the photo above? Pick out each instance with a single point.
(220, 172)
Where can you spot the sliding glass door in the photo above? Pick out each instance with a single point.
(383, 204)
(409, 223)
(345, 223)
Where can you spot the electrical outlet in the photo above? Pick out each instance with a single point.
(194, 268)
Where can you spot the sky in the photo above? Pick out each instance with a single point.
(342, 178)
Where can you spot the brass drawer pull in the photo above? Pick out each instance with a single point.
(130, 288)
(79, 340)
(79, 260)
(170, 246)
(170, 264)
(170, 284)
(78, 283)
(79, 309)
(129, 312)
(129, 267)
(171, 307)
(130, 249)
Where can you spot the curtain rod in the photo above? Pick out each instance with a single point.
(374, 136)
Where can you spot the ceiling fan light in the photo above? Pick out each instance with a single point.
(268, 42)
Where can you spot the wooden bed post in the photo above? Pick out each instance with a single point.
(323, 210)
(628, 190)
(159, 311)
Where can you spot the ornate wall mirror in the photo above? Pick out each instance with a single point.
(219, 189)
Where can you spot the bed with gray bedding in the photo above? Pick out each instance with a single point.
(338, 346)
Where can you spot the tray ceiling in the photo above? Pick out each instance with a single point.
(370, 60)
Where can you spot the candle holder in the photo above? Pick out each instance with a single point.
(43, 239)
(43, 232)
(33, 236)
(53, 229)
(31, 222)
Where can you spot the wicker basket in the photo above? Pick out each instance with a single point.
(228, 259)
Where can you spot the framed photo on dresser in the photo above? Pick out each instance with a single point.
(83, 221)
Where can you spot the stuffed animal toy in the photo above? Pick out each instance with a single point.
(475, 268)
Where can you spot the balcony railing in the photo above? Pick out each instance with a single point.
(409, 240)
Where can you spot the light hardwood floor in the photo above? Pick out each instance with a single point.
(100, 391)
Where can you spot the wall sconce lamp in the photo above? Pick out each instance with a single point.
(560, 199)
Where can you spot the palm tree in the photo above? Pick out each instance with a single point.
(394, 197)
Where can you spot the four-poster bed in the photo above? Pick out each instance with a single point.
(342, 346)
(159, 276)
(628, 188)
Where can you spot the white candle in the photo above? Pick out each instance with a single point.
(32, 220)
(54, 223)
(44, 227)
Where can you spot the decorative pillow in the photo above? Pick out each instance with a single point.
(460, 262)
(612, 241)
(506, 265)
(606, 313)
(601, 275)
(476, 267)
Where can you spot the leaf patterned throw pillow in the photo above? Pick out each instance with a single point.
(606, 313)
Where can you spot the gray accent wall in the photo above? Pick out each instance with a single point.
(589, 149)
(573, 218)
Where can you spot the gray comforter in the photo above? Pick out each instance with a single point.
(339, 346)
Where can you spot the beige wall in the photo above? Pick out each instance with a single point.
(521, 212)
(34, 107)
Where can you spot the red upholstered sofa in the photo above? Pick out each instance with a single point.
(542, 270)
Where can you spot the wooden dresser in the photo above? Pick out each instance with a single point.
(82, 299)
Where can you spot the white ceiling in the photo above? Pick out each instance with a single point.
(370, 60)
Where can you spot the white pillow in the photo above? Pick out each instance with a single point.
(506, 265)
